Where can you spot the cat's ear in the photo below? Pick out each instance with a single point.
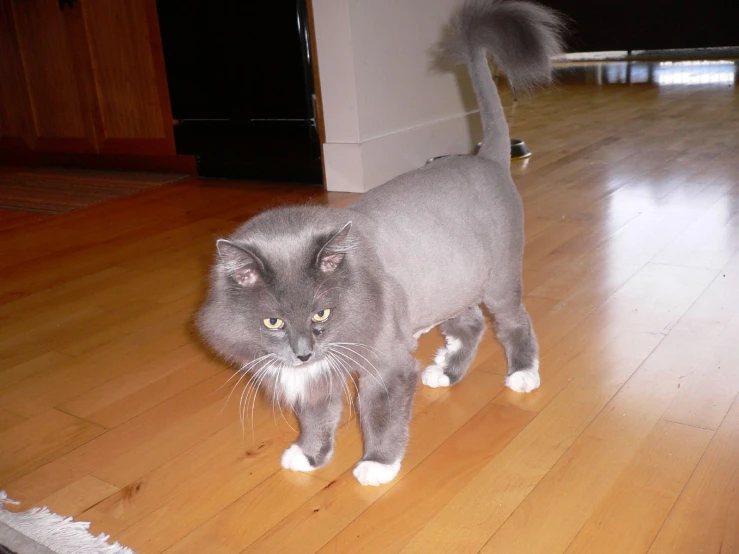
(243, 266)
(332, 253)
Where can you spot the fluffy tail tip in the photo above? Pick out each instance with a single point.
(521, 37)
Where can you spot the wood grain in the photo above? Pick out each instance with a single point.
(58, 76)
(705, 515)
(645, 492)
(77, 497)
(16, 117)
(38, 440)
(135, 118)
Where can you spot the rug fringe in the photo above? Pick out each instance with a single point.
(61, 534)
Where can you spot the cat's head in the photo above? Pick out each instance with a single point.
(285, 286)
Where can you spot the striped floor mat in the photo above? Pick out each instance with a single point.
(59, 190)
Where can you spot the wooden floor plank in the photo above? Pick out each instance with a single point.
(319, 519)
(526, 460)
(135, 392)
(9, 420)
(157, 499)
(38, 440)
(79, 496)
(704, 517)
(195, 409)
(78, 375)
(709, 242)
(275, 499)
(403, 511)
(632, 512)
(609, 443)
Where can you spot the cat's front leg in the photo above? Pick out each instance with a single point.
(315, 445)
(385, 401)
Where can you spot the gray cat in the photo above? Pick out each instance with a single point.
(303, 298)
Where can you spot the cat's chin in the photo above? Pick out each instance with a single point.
(292, 381)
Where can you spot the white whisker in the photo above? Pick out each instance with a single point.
(378, 379)
(228, 398)
(340, 374)
(256, 392)
(346, 363)
(372, 349)
(252, 386)
(279, 404)
(272, 296)
(244, 371)
(246, 390)
(347, 370)
(255, 375)
(323, 293)
(274, 395)
(241, 400)
(318, 289)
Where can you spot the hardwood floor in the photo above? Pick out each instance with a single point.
(111, 411)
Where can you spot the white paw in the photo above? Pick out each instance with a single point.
(294, 459)
(375, 474)
(433, 376)
(524, 380)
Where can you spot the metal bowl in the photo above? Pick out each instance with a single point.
(519, 151)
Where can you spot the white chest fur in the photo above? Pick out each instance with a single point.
(292, 382)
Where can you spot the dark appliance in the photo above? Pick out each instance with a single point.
(240, 79)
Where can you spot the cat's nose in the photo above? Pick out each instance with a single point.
(302, 346)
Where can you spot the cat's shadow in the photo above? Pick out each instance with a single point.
(442, 60)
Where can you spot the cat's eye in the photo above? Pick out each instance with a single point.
(322, 315)
(274, 323)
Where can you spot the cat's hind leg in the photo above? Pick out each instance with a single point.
(512, 325)
(462, 334)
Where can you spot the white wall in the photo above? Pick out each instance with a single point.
(386, 110)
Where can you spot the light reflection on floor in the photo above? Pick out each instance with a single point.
(682, 210)
(664, 73)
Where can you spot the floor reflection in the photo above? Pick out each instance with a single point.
(664, 73)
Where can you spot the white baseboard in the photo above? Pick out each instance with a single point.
(359, 167)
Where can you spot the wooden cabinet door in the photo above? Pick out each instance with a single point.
(88, 78)
(16, 118)
(58, 75)
(130, 79)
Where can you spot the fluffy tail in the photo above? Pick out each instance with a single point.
(521, 37)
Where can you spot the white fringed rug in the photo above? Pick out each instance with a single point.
(39, 531)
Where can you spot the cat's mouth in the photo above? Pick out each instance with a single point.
(317, 361)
